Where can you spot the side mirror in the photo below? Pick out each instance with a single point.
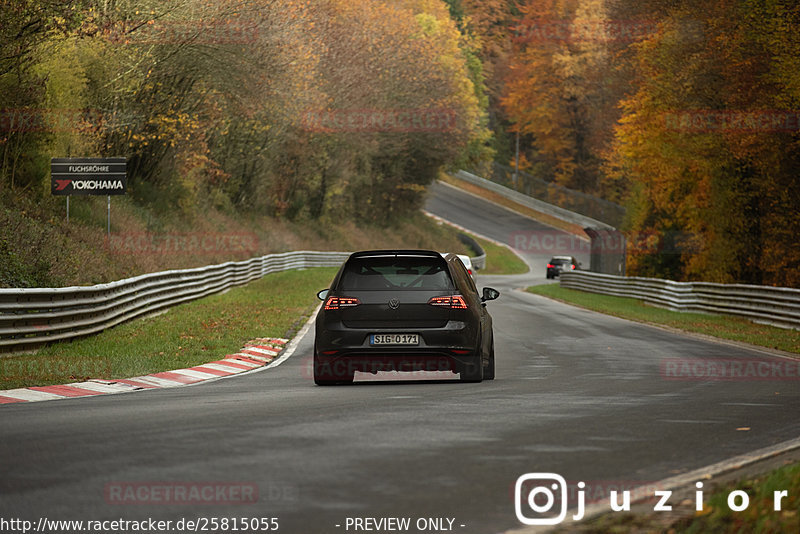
(489, 293)
(322, 295)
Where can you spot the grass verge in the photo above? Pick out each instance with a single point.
(731, 328)
(186, 335)
(500, 260)
(40, 249)
(759, 517)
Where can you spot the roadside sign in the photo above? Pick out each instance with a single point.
(88, 176)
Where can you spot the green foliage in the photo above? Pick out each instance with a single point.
(190, 334)
(209, 101)
(731, 189)
(721, 326)
(601, 92)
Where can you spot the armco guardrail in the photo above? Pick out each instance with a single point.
(778, 306)
(553, 193)
(479, 261)
(608, 245)
(31, 317)
(533, 203)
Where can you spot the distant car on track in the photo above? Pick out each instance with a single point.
(467, 263)
(557, 264)
(466, 260)
(403, 310)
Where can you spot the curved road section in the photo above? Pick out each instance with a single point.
(578, 394)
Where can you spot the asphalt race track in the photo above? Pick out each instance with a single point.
(577, 393)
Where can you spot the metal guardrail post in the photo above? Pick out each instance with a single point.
(777, 306)
(31, 317)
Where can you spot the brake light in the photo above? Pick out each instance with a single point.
(572, 267)
(549, 265)
(469, 271)
(455, 302)
(334, 303)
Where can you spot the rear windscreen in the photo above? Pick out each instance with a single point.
(396, 273)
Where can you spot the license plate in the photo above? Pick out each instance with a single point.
(394, 339)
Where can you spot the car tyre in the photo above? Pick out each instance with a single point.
(472, 371)
(324, 377)
(488, 370)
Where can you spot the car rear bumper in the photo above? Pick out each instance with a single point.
(345, 350)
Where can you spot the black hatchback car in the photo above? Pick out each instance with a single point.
(403, 310)
(561, 263)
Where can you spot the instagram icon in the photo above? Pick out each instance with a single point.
(538, 496)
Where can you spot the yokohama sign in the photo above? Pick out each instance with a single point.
(88, 176)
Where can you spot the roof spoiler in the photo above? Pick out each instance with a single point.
(373, 253)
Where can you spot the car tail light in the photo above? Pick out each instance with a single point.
(549, 265)
(469, 271)
(334, 303)
(572, 267)
(455, 302)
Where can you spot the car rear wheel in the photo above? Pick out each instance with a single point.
(472, 371)
(328, 374)
(488, 370)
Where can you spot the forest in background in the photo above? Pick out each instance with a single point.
(687, 112)
(326, 111)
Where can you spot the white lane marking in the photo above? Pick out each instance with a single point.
(678, 481)
(289, 349)
(292, 345)
(30, 395)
